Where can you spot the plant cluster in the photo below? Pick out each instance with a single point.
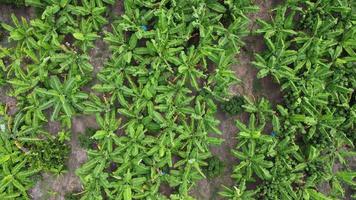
(234, 105)
(16, 170)
(45, 66)
(215, 167)
(170, 63)
(156, 98)
(85, 139)
(13, 2)
(311, 53)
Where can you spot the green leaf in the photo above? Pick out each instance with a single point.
(216, 6)
(127, 192)
(348, 177)
(4, 158)
(126, 112)
(315, 195)
(79, 36)
(99, 135)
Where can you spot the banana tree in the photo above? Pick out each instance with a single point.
(15, 179)
(73, 62)
(191, 164)
(251, 162)
(22, 33)
(219, 82)
(262, 108)
(114, 86)
(106, 135)
(129, 187)
(98, 162)
(46, 34)
(238, 192)
(95, 186)
(34, 110)
(187, 69)
(23, 85)
(64, 98)
(85, 36)
(92, 11)
(252, 133)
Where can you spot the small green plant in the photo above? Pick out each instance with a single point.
(170, 67)
(73, 196)
(215, 167)
(45, 66)
(51, 155)
(234, 105)
(85, 139)
(15, 172)
(13, 2)
(311, 54)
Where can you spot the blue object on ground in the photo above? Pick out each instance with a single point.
(144, 27)
(273, 134)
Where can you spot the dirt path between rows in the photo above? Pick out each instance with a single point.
(251, 87)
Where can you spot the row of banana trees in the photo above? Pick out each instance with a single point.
(44, 67)
(170, 64)
(311, 54)
(154, 101)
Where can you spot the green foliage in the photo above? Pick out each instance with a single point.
(238, 193)
(234, 105)
(311, 53)
(215, 167)
(72, 196)
(170, 64)
(65, 98)
(156, 98)
(15, 171)
(45, 65)
(13, 2)
(51, 155)
(85, 140)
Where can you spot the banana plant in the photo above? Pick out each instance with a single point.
(187, 69)
(252, 133)
(15, 172)
(191, 163)
(130, 187)
(22, 33)
(251, 162)
(85, 36)
(33, 113)
(92, 10)
(114, 86)
(106, 135)
(73, 62)
(238, 192)
(46, 32)
(23, 85)
(222, 79)
(261, 107)
(64, 97)
(95, 185)
(154, 81)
